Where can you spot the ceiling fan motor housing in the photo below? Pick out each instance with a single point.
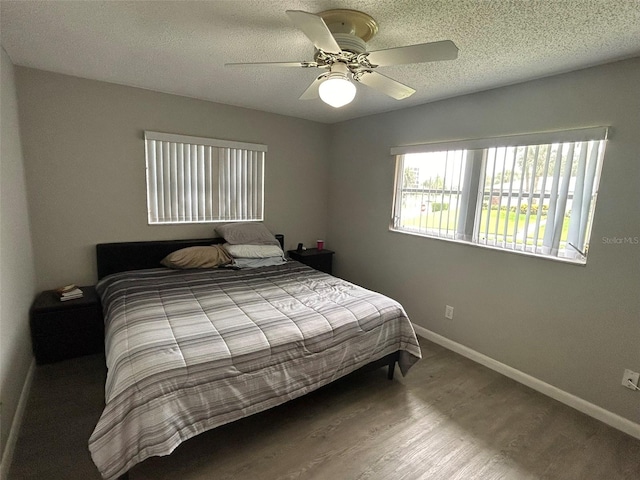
(350, 43)
(351, 30)
(352, 22)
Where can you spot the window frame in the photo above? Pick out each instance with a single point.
(476, 151)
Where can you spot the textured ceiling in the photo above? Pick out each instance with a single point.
(181, 47)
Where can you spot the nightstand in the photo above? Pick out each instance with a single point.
(61, 330)
(318, 259)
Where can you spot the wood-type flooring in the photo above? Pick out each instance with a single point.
(450, 418)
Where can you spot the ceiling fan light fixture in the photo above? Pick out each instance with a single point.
(336, 89)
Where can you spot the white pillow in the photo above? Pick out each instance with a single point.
(253, 251)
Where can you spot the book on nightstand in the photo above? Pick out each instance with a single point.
(68, 292)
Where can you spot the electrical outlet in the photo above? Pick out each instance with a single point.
(448, 312)
(632, 376)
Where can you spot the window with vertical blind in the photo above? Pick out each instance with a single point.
(198, 180)
(532, 194)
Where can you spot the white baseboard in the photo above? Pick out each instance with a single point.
(9, 449)
(599, 413)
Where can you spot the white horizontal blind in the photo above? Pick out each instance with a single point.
(507, 193)
(560, 136)
(196, 180)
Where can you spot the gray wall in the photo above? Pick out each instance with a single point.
(574, 327)
(17, 277)
(84, 154)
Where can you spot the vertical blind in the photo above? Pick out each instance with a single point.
(548, 195)
(196, 180)
(532, 193)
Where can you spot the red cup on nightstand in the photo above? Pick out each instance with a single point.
(320, 244)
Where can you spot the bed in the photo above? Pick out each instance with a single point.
(190, 350)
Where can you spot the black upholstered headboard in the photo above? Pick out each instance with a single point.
(120, 257)
(124, 256)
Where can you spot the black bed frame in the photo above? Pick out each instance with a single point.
(122, 257)
(125, 256)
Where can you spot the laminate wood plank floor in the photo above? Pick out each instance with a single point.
(449, 419)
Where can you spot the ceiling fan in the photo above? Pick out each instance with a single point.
(340, 38)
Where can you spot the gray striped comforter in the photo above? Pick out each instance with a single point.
(188, 351)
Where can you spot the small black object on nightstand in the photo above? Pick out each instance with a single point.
(319, 259)
(61, 330)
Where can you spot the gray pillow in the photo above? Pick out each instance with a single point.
(247, 234)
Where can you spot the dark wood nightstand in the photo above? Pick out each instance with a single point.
(61, 330)
(319, 259)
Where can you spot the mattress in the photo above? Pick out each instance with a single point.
(191, 350)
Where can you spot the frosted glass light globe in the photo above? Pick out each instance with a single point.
(337, 91)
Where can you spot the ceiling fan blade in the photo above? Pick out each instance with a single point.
(274, 64)
(315, 29)
(386, 85)
(311, 93)
(423, 52)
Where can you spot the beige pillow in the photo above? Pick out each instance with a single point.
(197, 257)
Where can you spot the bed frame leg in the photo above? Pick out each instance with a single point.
(392, 368)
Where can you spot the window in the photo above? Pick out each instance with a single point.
(196, 180)
(531, 194)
